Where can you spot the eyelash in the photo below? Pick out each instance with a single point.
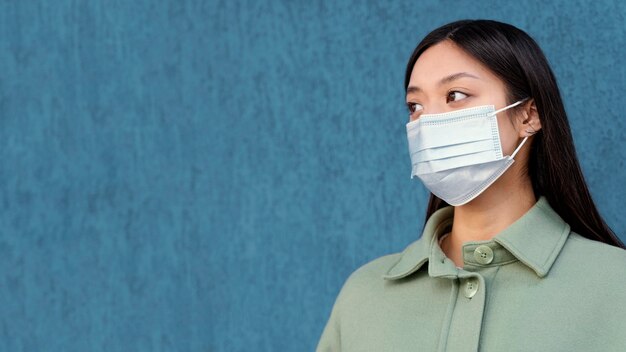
(409, 107)
(456, 91)
(411, 104)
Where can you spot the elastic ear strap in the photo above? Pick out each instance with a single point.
(509, 106)
(519, 147)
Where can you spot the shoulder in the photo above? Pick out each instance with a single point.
(371, 281)
(372, 272)
(367, 283)
(594, 258)
(598, 251)
(361, 289)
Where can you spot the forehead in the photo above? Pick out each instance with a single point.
(444, 59)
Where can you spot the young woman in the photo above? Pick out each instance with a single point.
(514, 255)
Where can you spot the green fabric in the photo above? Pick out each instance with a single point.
(547, 289)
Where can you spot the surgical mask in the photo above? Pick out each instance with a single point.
(458, 154)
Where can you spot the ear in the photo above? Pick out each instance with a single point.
(529, 123)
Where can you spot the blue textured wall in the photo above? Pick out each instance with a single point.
(204, 175)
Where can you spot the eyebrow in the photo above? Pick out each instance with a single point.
(445, 80)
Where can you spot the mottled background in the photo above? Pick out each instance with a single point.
(204, 175)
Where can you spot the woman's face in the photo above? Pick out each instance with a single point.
(445, 78)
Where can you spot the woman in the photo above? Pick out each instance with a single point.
(514, 255)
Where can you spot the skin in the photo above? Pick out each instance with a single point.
(429, 92)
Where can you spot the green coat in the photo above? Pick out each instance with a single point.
(536, 286)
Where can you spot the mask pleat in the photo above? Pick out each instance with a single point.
(454, 150)
(435, 136)
(453, 162)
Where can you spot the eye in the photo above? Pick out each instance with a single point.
(455, 96)
(414, 107)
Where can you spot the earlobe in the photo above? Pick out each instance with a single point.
(531, 123)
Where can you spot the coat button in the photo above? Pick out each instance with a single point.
(483, 254)
(471, 287)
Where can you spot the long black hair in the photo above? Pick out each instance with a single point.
(517, 60)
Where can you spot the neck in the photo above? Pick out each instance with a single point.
(488, 214)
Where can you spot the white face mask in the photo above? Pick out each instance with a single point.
(458, 154)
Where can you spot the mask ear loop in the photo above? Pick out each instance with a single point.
(519, 147)
(508, 107)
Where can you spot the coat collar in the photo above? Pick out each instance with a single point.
(535, 239)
